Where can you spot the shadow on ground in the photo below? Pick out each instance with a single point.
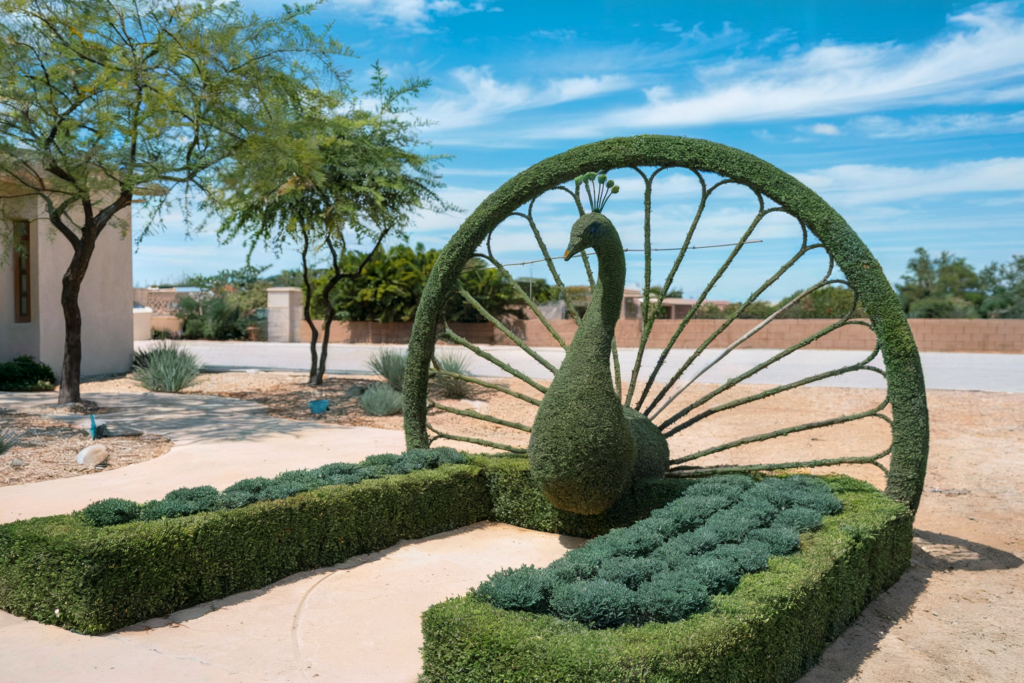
(933, 553)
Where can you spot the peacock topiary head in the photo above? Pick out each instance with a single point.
(588, 232)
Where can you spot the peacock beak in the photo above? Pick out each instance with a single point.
(572, 251)
(568, 254)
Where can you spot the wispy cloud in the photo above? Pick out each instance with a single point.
(977, 57)
(940, 124)
(413, 15)
(861, 184)
(483, 97)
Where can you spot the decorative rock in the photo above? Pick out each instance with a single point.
(92, 456)
(116, 430)
(17, 463)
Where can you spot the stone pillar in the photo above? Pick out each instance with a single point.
(284, 314)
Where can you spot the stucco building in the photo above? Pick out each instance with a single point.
(31, 318)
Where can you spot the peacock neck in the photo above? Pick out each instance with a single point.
(597, 330)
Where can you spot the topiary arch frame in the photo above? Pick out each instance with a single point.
(905, 392)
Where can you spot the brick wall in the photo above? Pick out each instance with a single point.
(973, 336)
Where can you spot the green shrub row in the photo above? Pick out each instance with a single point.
(25, 373)
(61, 570)
(667, 566)
(772, 627)
(193, 500)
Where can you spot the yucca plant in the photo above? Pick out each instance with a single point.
(8, 440)
(389, 364)
(453, 387)
(167, 367)
(380, 400)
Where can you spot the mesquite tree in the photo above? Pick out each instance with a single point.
(368, 181)
(104, 101)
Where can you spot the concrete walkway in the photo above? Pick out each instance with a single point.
(356, 622)
(951, 371)
(218, 441)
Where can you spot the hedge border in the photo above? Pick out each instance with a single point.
(773, 627)
(905, 379)
(58, 570)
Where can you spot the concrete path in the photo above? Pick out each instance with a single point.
(356, 622)
(218, 441)
(954, 371)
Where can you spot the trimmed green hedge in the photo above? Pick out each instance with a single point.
(517, 500)
(772, 627)
(59, 570)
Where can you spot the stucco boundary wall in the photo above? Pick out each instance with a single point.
(955, 335)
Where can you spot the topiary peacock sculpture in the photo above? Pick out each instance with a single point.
(585, 446)
(596, 428)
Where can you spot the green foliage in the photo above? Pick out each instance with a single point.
(862, 270)
(539, 289)
(824, 302)
(190, 501)
(700, 539)
(772, 626)
(25, 373)
(60, 570)
(390, 285)
(111, 511)
(652, 452)
(227, 304)
(581, 448)
(182, 503)
(452, 361)
(389, 363)
(8, 440)
(944, 277)
(166, 367)
(381, 399)
(1004, 285)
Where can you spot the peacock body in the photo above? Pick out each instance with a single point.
(583, 448)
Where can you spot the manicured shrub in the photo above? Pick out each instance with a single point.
(525, 589)
(652, 452)
(167, 367)
(389, 364)
(189, 501)
(61, 570)
(25, 373)
(182, 503)
(772, 627)
(595, 603)
(451, 361)
(111, 511)
(702, 539)
(381, 400)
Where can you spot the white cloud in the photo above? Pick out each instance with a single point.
(413, 14)
(484, 97)
(940, 124)
(858, 184)
(825, 129)
(978, 57)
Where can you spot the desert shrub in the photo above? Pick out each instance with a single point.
(111, 511)
(700, 544)
(389, 364)
(452, 387)
(25, 373)
(8, 440)
(380, 400)
(167, 367)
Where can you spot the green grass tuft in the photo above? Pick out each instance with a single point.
(166, 367)
(381, 400)
(389, 364)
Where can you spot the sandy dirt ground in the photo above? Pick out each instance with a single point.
(957, 615)
(46, 449)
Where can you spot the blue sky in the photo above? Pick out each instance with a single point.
(906, 116)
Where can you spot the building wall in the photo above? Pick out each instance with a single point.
(105, 299)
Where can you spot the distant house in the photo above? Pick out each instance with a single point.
(31, 316)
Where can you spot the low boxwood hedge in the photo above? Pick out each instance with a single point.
(772, 627)
(61, 570)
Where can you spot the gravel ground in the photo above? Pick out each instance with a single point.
(48, 448)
